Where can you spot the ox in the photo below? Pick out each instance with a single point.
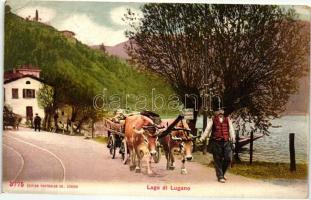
(178, 140)
(140, 141)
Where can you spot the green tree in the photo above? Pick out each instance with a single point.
(46, 101)
(251, 55)
(7, 9)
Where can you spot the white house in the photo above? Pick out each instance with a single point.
(21, 88)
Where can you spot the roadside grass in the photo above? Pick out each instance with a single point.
(259, 170)
(267, 170)
(101, 139)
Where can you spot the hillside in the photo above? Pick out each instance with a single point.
(84, 72)
(297, 104)
(117, 50)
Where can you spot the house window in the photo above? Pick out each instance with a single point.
(14, 93)
(28, 93)
(29, 113)
(27, 82)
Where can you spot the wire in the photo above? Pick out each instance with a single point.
(25, 5)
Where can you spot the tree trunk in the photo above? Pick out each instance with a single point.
(74, 114)
(93, 123)
(67, 125)
(195, 105)
(80, 124)
(189, 103)
(45, 120)
(49, 121)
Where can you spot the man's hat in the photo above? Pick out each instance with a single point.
(217, 103)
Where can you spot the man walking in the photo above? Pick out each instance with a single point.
(221, 133)
(37, 122)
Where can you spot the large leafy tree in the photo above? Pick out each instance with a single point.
(46, 101)
(251, 55)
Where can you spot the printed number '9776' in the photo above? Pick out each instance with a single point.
(16, 184)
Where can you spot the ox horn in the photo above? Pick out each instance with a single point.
(158, 131)
(176, 138)
(194, 137)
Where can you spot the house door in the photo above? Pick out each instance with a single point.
(29, 113)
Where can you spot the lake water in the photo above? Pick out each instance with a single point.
(275, 147)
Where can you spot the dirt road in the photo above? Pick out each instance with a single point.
(86, 166)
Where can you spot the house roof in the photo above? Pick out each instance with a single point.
(28, 67)
(11, 75)
(23, 76)
(67, 31)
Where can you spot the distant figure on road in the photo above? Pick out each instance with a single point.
(221, 134)
(37, 122)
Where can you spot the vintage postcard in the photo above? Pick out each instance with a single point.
(156, 99)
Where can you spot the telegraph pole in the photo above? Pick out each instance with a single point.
(205, 86)
(205, 93)
(205, 107)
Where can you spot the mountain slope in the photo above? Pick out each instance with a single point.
(84, 72)
(298, 103)
(117, 50)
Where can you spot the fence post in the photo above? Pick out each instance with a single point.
(251, 148)
(236, 150)
(292, 152)
(204, 127)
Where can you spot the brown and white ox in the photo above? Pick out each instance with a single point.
(178, 140)
(140, 142)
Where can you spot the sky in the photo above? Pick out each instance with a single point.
(93, 23)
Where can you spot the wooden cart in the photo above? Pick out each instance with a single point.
(115, 138)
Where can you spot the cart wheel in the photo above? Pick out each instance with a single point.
(156, 158)
(125, 153)
(112, 147)
(109, 140)
(122, 151)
